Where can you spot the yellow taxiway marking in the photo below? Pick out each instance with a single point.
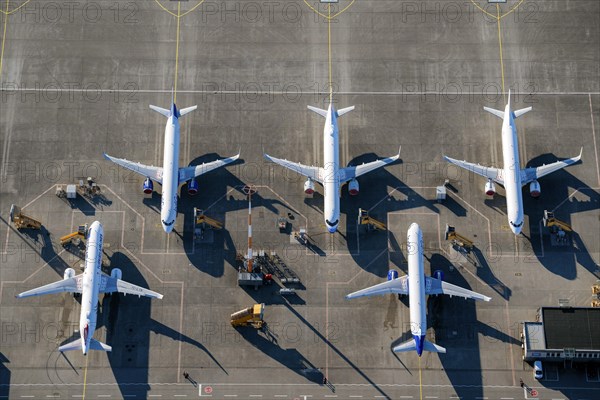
(500, 43)
(329, 53)
(178, 15)
(4, 38)
(329, 16)
(420, 381)
(489, 14)
(85, 376)
(177, 53)
(13, 11)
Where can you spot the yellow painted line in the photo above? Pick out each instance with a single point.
(329, 54)
(177, 53)
(512, 9)
(329, 16)
(178, 15)
(497, 5)
(420, 381)
(4, 38)
(15, 10)
(500, 43)
(85, 376)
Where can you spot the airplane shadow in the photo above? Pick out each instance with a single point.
(40, 243)
(337, 352)
(4, 377)
(560, 260)
(290, 358)
(128, 325)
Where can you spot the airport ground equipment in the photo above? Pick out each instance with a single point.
(21, 220)
(75, 237)
(558, 229)
(282, 224)
(596, 294)
(458, 239)
(301, 236)
(440, 193)
(203, 222)
(371, 223)
(251, 316)
(88, 188)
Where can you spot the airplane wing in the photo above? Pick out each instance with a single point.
(313, 173)
(71, 285)
(148, 171)
(187, 173)
(398, 285)
(436, 286)
(111, 285)
(531, 174)
(349, 173)
(492, 173)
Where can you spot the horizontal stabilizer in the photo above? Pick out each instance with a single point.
(433, 348)
(160, 110)
(97, 345)
(319, 111)
(344, 111)
(74, 345)
(497, 113)
(187, 110)
(410, 345)
(522, 111)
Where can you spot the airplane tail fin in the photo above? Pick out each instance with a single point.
(411, 345)
(500, 114)
(323, 113)
(173, 111)
(76, 345)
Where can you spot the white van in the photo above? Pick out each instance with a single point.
(538, 370)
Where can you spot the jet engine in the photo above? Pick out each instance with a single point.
(116, 273)
(192, 187)
(353, 187)
(437, 274)
(148, 186)
(490, 188)
(309, 186)
(534, 189)
(392, 274)
(69, 273)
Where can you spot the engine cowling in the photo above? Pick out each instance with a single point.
(148, 186)
(116, 273)
(490, 188)
(192, 187)
(309, 186)
(69, 273)
(535, 189)
(353, 187)
(437, 274)
(392, 274)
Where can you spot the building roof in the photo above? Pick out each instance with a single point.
(535, 336)
(571, 327)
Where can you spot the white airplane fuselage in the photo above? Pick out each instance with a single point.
(416, 286)
(331, 167)
(512, 172)
(91, 280)
(170, 179)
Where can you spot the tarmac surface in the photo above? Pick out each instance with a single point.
(76, 81)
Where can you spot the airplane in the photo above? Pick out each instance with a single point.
(512, 177)
(420, 286)
(331, 176)
(90, 284)
(170, 176)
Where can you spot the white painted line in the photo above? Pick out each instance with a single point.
(52, 395)
(230, 395)
(356, 397)
(180, 395)
(280, 395)
(255, 395)
(155, 395)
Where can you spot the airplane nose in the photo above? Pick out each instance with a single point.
(332, 229)
(167, 228)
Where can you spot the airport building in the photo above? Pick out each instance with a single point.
(563, 334)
